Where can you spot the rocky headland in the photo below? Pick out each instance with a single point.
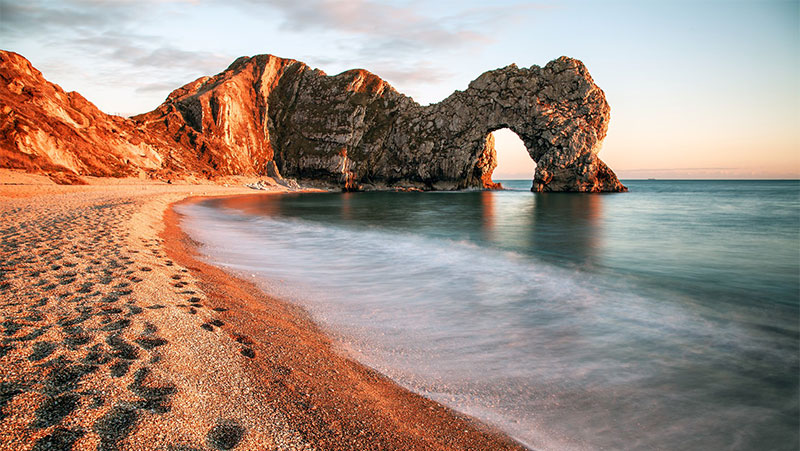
(270, 116)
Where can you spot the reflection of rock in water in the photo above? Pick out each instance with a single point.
(487, 215)
(566, 226)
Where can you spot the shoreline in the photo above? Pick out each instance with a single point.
(390, 405)
(115, 333)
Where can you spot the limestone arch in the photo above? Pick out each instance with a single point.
(557, 111)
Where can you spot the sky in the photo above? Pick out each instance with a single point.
(698, 89)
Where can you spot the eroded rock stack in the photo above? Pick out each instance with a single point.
(351, 130)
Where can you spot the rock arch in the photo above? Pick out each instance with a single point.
(355, 129)
(557, 111)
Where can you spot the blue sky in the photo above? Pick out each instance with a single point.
(697, 89)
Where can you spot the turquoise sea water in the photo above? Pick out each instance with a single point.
(662, 318)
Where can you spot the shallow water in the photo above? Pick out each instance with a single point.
(663, 318)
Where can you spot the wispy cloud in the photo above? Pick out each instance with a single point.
(70, 18)
(397, 41)
(421, 74)
(151, 51)
(393, 27)
(101, 28)
(396, 29)
(390, 27)
(157, 87)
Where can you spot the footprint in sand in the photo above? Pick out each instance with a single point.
(150, 342)
(42, 350)
(8, 390)
(117, 325)
(120, 368)
(59, 439)
(226, 434)
(122, 349)
(243, 339)
(54, 409)
(115, 426)
(156, 398)
(65, 375)
(97, 355)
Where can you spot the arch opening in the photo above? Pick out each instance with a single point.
(513, 160)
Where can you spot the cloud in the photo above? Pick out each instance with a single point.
(418, 74)
(158, 87)
(391, 27)
(400, 27)
(402, 42)
(149, 51)
(70, 16)
(108, 32)
(394, 29)
(206, 62)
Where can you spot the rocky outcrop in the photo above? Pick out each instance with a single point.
(351, 130)
(44, 129)
(557, 111)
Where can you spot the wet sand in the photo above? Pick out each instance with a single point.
(114, 335)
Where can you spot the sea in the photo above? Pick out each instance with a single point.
(666, 318)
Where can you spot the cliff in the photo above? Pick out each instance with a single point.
(44, 129)
(351, 130)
